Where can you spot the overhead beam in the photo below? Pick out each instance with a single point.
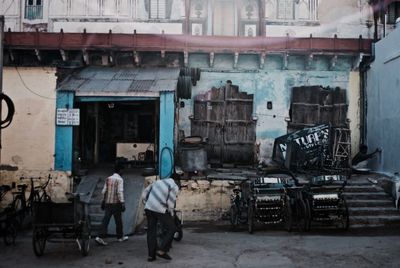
(180, 43)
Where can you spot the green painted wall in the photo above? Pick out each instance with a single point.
(271, 83)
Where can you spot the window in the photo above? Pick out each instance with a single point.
(158, 9)
(286, 9)
(33, 9)
(289, 10)
(393, 11)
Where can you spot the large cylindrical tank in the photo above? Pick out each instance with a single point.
(192, 155)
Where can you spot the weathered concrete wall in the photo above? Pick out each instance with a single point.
(274, 84)
(383, 98)
(199, 200)
(28, 143)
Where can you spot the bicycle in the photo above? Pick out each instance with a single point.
(24, 206)
(57, 222)
(7, 219)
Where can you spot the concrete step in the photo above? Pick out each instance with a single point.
(373, 211)
(363, 182)
(362, 189)
(372, 221)
(96, 217)
(370, 203)
(366, 196)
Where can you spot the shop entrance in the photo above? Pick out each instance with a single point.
(110, 131)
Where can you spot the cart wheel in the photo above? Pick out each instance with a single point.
(345, 221)
(39, 241)
(10, 233)
(179, 233)
(307, 216)
(288, 216)
(234, 217)
(84, 240)
(250, 221)
(301, 214)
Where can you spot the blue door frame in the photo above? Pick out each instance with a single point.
(64, 134)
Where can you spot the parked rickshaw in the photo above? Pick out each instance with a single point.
(55, 222)
(324, 198)
(266, 199)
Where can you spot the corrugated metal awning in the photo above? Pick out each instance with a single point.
(117, 81)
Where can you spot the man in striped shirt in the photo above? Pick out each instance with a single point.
(159, 199)
(113, 192)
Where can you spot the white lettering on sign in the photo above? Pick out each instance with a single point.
(67, 117)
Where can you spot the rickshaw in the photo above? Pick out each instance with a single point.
(58, 222)
(268, 198)
(324, 198)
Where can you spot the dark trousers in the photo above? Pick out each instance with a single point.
(167, 222)
(112, 210)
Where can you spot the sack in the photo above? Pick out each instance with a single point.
(103, 205)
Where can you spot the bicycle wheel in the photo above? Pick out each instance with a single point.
(10, 233)
(344, 217)
(250, 220)
(288, 216)
(178, 233)
(308, 216)
(39, 238)
(19, 211)
(234, 217)
(302, 215)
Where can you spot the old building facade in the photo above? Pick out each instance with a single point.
(263, 48)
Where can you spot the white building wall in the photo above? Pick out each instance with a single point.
(28, 142)
(34, 120)
(346, 18)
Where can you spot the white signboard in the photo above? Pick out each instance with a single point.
(67, 117)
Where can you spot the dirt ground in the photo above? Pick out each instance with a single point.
(214, 245)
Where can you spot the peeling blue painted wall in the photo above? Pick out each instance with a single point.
(271, 83)
(63, 157)
(383, 99)
(166, 142)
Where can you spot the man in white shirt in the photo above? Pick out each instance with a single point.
(159, 199)
(114, 205)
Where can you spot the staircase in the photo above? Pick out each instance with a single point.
(369, 206)
(95, 211)
(133, 187)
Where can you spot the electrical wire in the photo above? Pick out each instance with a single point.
(30, 90)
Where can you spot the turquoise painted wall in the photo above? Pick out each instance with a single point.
(63, 157)
(166, 143)
(271, 83)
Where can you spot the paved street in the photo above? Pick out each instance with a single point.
(215, 246)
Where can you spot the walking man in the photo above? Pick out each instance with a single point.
(159, 199)
(114, 205)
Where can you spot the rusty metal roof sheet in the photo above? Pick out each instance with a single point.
(97, 80)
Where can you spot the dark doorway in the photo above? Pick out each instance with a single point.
(120, 129)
